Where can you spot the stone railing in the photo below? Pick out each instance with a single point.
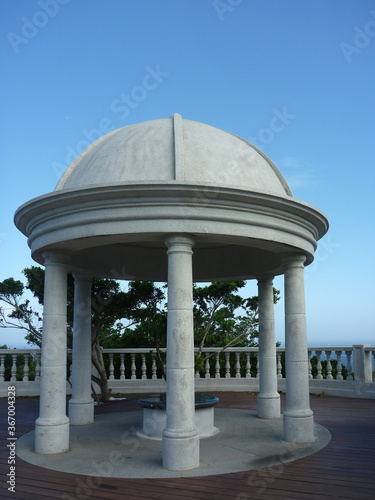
(20, 368)
(339, 371)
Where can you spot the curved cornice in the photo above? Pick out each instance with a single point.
(105, 215)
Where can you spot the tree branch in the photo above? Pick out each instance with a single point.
(215, 307)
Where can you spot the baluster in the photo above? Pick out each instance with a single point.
(14, 368)
(197, 374)
(329, 365)
(207, 366)
(133, 368)
(257, 355)
(217, 366)
(2, 367)
(248, 366)
(111, 367)
(144, 368)
(349, 365)
(26, 369)
(310, 367)
(319, 365)
(339, 366)
(37, 366)
(279, 365)
(122, 366)
(154, 374)
(227, 365)
(238, 365)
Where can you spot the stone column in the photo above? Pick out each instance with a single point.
(298, 417)
(52, 426)
(268, 398)
(81, 404)
(180, 437)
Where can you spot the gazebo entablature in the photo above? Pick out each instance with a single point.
(237, 234)
(173, 223)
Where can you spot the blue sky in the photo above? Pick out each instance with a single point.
(73, 70)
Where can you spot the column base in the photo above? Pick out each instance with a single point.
(81, 412)
(180, 453)
(299, 427)
(51, 435)
(268, 405)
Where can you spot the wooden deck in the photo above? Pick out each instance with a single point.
(345, 469)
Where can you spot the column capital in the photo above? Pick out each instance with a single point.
(265, 278)
(293, 259)
(82, 277)
(55, 257)
(179, 243)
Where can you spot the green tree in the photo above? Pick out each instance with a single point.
(110, 307)
(223, 318)
(138, 317)
(16, 313)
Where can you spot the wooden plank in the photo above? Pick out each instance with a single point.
(344, 469)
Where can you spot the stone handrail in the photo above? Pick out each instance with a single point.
(333, 370)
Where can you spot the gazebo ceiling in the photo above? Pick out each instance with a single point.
(123, 196)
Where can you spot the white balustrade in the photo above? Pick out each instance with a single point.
(2, 367)
(227, 365)
(154, 375)
(26, 368)
(238, 365)
(111, 367)
(37, 368)
(310, 366)
(133, 368)
(279, 365)
(319, 365)
(339, 366)
(348, 365)
(144, 375)
(122, 366)
(13, 377)
(217, 366)
(207, 365)
(328, 368)
(248, 366)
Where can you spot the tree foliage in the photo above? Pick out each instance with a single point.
(113, 313)
(137, 317)
(17, 312)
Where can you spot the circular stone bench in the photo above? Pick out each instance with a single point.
(155, 418)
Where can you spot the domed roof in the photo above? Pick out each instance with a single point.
(118, 203)
(174, 150)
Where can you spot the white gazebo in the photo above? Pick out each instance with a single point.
(179, 201)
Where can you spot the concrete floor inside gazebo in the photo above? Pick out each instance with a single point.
(110, 447)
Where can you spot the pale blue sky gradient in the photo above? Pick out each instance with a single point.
(295, 77)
